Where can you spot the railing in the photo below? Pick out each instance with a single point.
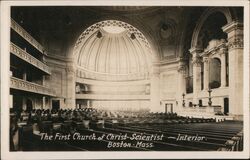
(204, 109)
(112, 97)
(83, 73)
(16, 27)
(14, 49)
(20, 84)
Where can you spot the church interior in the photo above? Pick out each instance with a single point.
(125, 70)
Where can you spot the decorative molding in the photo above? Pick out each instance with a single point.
(16, 27)
(130, 30)
(182, 69)
(234, 25)
(197, 61)
(235, 34)
(70, 70)
(215, 47)
(17, 51)
(223, 51)
(205, 59)
(236, 43)
(20, 84)
(195, 50)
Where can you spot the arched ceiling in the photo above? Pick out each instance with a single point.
(58, 27)
(113, 48)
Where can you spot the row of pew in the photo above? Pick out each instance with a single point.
(217, 136)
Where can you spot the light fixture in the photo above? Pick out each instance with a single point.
(99, 34)
(132, 36)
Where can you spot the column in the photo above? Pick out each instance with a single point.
(196, 73)
(234, 31)
(181, 84)
(43, 102)
(24, 104)
(10, 101)
(155, 90)
(70, 81)
(206, 73)
(43, 80)
(88, 103)
(43, 59)
(223, 66)
(24, 75)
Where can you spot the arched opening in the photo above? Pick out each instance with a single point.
(113, 50)
(212, 29)
(218, 17)
(113, 63)
(214, 73)
(208, 34)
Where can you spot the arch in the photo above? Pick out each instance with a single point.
(225, 11)
(93, 28)
(113, 44)
(136, 22)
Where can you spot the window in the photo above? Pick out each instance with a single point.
(214, 73)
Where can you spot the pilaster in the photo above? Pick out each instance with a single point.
(234, 31)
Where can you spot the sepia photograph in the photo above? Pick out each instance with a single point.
(125, 78)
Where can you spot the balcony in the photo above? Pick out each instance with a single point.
(17, 51)
(112, 97)
(90, 75)
(20, 84)
(18, 29)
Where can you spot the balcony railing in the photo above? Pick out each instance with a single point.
(112, 97)
(204, 109)
(83, 73)
(16, 27)
(20, 84)
(14, 49)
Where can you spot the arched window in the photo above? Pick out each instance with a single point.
(214, 73)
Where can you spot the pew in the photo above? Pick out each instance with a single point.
(220, 136)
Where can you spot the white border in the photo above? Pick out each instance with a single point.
(5, 39)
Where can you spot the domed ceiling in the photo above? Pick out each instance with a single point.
(113, 48)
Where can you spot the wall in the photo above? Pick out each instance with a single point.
(169, 86)
(58, 79)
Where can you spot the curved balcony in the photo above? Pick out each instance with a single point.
(17, 51)
(16, 27)
(112, 97)
(20, 84)
(82, 73)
